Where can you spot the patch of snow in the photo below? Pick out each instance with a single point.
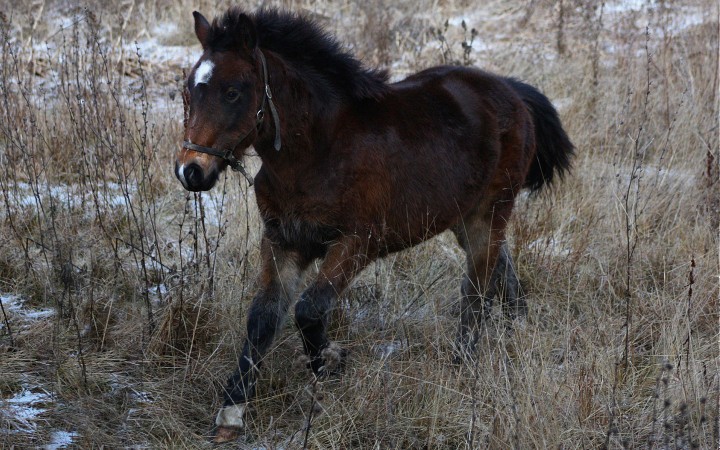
(110, 196)
(627, 6)
(473, 18)
(215, 206)
(551, 245)
(65, 22)
(14, 306)
(386, 349)
(562, 103)
(680, 18)
(60, 439)
(118, 384)
(159, 290)
(23, 409)
(161, 28)
(689, 20)
(141, 396)
(38, 314)
(23, 402)
(151, 50)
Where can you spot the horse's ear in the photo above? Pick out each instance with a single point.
(202, 27)
(246, 33)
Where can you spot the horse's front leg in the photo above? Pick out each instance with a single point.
(279, 277)
(345, 258)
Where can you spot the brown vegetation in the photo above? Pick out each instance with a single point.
(149, 284)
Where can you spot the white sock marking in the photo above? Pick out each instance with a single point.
(231, 416)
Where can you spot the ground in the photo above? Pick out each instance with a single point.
(124, 297)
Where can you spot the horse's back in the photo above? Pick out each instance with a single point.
(467, 104)
(432, 148)
(484, 85)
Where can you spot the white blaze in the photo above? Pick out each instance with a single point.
(204, 72)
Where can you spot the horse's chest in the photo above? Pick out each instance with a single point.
(309, 238)
(290, 225)
(300, 219)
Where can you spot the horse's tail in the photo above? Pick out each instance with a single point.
(553, 147)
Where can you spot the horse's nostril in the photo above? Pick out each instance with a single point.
(193, 175)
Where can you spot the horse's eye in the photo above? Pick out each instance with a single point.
(232, 95)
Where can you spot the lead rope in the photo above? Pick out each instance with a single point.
(236, 166)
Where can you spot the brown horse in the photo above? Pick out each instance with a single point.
(354, 168)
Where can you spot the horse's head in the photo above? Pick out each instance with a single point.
(224, 101)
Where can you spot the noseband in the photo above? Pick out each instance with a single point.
(229, 155)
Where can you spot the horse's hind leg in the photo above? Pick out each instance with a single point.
(476, 289)
(489, 265)
(506, 282)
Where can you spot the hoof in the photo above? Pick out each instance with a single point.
(462, 359)
(225, 434)
(463, 352)
(302, 362)
(331, 361)
(518, 310)
(229, 422)
(333, 358)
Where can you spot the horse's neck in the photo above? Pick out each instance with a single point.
(305, 122)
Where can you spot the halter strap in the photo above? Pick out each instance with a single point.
(268, 97)
(234, 163)
(229, 155)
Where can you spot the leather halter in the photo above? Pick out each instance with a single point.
(229, 155)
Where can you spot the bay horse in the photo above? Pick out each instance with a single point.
(355, 168)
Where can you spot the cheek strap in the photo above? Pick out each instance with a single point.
(268, 98)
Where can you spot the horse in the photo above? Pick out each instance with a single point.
(355, 168)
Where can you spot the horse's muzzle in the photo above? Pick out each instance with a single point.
(194, 178)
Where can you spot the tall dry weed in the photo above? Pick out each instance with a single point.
(147, 285)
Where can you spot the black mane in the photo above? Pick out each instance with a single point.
(305, 45)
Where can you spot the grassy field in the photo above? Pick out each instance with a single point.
(124, 297)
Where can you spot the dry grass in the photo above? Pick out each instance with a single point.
(149, 284)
